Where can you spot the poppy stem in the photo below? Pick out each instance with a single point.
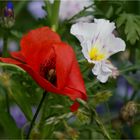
(36, 114)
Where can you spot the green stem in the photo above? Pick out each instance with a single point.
(5, 54)
(80, 13)
(130, 68)
(100, 124)
(5, 46)
(55, 15)
(36, 114)
(42, 118)
(48, 7)
(7, 103)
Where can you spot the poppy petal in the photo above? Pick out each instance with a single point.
(74, 107)
(64, 59)
(75, 80)
(9, 60)
(18, 56)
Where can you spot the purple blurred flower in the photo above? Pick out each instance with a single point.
(18, 116)
(35, 8)
(124, 88)
(12, 46)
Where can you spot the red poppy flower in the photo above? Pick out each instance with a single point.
(51, 63)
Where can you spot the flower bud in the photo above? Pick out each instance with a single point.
(9, 10)
(7, 20)
(128, 111)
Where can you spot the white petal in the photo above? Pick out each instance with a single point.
(103, 77)
(102, 70)
(83, 31)
(104, 28)
(114, 45)
(96, 69)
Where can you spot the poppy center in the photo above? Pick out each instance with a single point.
(48, 71)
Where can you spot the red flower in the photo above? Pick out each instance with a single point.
(51, 63)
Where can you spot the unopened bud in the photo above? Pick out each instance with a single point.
(7, 20)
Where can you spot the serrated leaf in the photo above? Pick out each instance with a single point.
(131, 26)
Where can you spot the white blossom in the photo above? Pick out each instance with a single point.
(98, 44)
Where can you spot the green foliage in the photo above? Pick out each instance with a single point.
(131, 25)
(10, 129)
(55, 121)
(101, 97)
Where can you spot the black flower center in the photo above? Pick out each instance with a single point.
(48, 70)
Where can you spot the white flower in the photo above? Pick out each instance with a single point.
(98, 44)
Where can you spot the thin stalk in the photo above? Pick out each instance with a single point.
(5, 54)
(81, 12)
(36, 114)
(7, 103)
(48, 7)
(5, 44)
(43, 117)
(130, 68)
(55, 15)
(100, 124)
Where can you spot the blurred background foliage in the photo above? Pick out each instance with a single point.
(112, 110)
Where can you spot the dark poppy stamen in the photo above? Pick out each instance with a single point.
(47, 70)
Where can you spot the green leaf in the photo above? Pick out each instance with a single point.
(15, 89)
(9, 126)
(16, 34)
(101, 97)
(131, 24)
(20, 97)
(132, 81)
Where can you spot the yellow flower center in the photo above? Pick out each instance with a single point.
(95, 54)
